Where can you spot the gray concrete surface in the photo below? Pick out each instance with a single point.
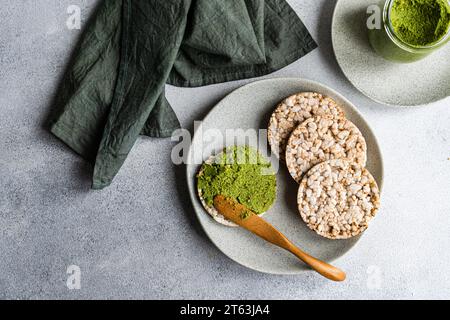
(133, 240)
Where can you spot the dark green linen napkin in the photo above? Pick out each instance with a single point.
(114, 90)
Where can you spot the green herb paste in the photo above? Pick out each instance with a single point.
(245, 215)
(240, 173)
(420, 22)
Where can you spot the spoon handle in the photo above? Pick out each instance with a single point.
(247, 219)
(325, 269)
(268, 232)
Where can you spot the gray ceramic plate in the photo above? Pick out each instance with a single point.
(250, 108)
(395, 84)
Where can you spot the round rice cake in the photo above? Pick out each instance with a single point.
(216, 159)
(294, 110)
(337, 199)
(211, 209)
(324, 138)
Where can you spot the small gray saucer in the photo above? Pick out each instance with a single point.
(412, 84)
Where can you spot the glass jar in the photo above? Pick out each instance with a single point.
(388, 45)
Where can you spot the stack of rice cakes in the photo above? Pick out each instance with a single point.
(326, 154)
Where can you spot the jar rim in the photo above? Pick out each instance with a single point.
(401, 43)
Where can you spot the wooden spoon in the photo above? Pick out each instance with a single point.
(247, 219)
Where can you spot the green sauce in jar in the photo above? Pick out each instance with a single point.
(420, 22)
(412, 29)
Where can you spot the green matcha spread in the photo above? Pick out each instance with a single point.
(240, 173)
(245, 215)
(420, 22)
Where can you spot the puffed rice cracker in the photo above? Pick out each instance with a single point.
(211, 209)
(324, 138)
(294, 110)
(337, 199)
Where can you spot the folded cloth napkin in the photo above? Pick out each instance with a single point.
(114, 90)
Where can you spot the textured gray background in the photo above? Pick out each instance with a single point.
(135, 240)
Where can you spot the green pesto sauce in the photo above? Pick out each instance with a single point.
(420, 22)
(245, 215)
(242, 174)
